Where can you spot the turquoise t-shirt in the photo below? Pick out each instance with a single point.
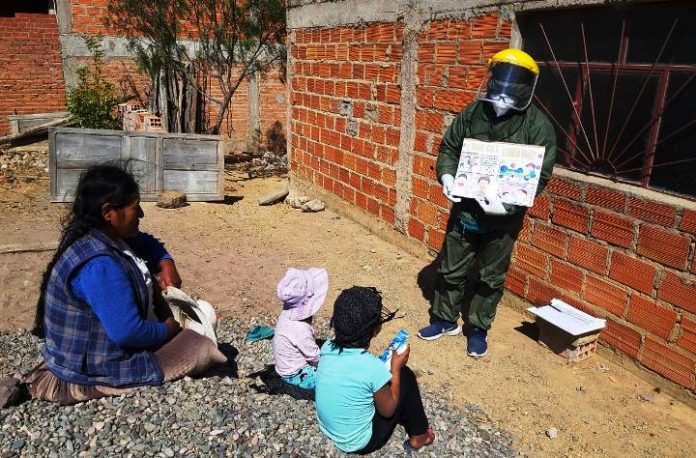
(346, 383)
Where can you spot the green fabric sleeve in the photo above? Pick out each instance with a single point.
(451, 146)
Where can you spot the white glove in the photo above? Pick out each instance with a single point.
(492, 205)
(447, 185)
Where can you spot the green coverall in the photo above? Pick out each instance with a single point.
(492, 245)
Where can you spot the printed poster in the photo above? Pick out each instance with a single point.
(509, 171)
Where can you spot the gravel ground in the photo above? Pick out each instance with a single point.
(225, 413)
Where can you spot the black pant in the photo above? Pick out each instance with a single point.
(409, 414)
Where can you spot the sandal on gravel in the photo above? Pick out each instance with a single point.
(431, 438)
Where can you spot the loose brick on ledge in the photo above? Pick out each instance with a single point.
(550, 239)
(687, 338)
(530, 260)
(651, 211)
(541, 208)
(667, 247)
(667, 362)
(565, 276)
(516, 281)
(540, 292)
(645, 313)
(588, 254)
(608, 296)
(570, 189)
(632, 272)
(688, 221)
(613, 228)
(621, 337)
(606, 198)
(677, 291)
(572, 216)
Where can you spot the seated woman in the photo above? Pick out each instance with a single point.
(107, 327)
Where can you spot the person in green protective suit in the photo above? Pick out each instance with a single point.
(480, 232)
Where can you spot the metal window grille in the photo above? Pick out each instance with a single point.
(619, 85)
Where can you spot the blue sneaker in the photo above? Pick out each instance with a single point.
(476, 344)
(439, 328)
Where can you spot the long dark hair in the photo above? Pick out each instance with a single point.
(98, 185)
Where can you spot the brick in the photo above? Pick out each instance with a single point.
(530, 260)
(606, 198)
(436, 238)
(484, 26)
(612, 228)
(525, 235)
(550, 239)
(621, 337)
(688, 221)
(667, 362)
(687, 337)
(416, 229)
(588, 254)
(516, 281)
(608, 296)
(540, 292)
(565, 276)
(676, 291)
(653, 212)
(564, 188)
(572, 216)
(452, 100)
(470, 52)
(632, 272)
(541, 208)
(669, 248)
(645, 313)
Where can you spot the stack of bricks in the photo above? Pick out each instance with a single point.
(346, 112)
(31, 80)
(619, 256)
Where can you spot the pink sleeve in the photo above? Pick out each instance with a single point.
(308, 347)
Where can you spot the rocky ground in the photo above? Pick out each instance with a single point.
(225, 413)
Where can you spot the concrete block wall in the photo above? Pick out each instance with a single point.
(373, 87)
(31, 79)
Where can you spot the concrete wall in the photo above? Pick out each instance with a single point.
(374, 85)
(31, 80)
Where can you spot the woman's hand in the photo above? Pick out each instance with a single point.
(168, 275)
(173, 327)
(399, 360)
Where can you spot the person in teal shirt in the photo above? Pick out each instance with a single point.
(359, 401)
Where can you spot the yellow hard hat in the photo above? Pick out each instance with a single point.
(515, 57)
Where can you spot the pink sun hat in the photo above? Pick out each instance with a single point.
(303, 292)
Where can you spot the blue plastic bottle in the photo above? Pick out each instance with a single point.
(398, 344)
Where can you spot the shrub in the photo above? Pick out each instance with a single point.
(92, 102)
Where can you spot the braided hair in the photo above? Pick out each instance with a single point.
(98, 185)
(357, 313)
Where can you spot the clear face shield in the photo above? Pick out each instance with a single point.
(507, 86)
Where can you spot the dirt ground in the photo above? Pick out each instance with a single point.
(233, 253)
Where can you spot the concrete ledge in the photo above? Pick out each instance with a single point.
(309, 14)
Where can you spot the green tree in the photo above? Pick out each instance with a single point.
(227, 42)
(92, 101)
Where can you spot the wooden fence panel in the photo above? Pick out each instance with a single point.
(190, 163)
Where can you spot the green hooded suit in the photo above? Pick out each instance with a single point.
(474, 238)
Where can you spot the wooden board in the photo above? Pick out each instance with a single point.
(190, 163)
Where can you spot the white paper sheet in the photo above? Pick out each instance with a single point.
(568, 318)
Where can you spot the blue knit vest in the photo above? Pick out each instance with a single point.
(77, 347)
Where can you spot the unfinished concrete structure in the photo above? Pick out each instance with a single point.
(42, 49)
(375, 83)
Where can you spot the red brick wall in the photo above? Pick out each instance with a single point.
(273, 103)
(31, 75)
(615, 255)
(619, 256)
(346, 112)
